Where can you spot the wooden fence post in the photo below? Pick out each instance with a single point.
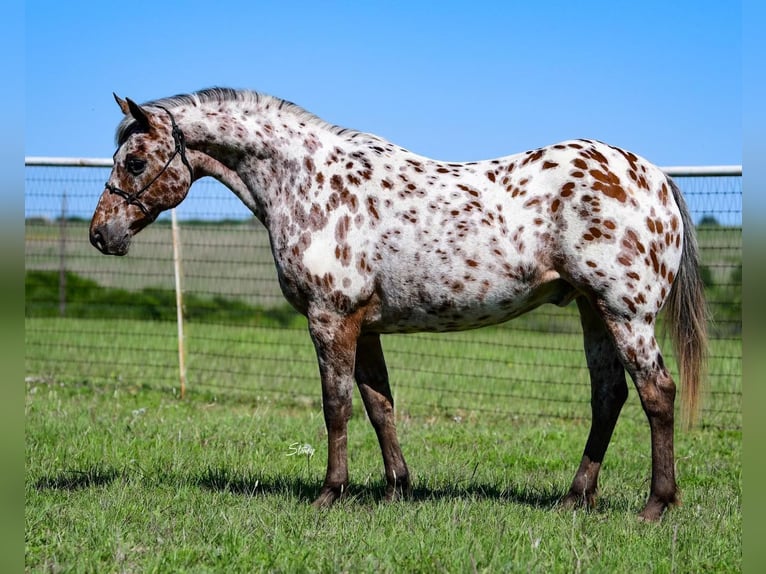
(179, 301)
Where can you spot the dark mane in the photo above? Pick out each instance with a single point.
(219, 95)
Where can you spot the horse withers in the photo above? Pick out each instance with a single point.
(369, 238)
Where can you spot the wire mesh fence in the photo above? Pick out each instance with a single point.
(112, 319)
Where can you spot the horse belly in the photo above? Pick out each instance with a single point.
(417, 303)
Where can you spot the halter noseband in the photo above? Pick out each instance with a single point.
(180, 149)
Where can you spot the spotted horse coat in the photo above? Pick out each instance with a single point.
(369, 238)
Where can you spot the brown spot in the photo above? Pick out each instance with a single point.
(625, 260)
(593, 153)
(371, 202)
(362, 265)
(532, 202)
(664, 194)
(353, 179)
(341, 228)
(343, 254)
(580, 163)
(491, 176)
(320, 178)
(555, 204)
(567, 189)
(469, 190)
(533, 156)
(609, 184)
(336, 182)
(317, 217)
(549, 164)
(471, 263)
(591, 264)
(632, 242)
(655, 261)
(631, 305)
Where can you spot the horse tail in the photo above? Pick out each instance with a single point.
(687, 317)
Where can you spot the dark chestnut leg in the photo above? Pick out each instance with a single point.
(372, 379)
(641, 355)
(335, 338)
(608, 394)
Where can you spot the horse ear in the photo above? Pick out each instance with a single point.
(138, 114)
(122, 103)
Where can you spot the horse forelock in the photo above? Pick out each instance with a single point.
(127, 126)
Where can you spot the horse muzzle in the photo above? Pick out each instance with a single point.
(110, 239)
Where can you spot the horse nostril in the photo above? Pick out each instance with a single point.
(97, 239)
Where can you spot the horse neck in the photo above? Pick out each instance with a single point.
(259, 152)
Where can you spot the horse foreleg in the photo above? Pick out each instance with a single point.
(372, 379)
(608, 394)
(335, 340)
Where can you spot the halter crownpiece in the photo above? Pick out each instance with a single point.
(180, 149)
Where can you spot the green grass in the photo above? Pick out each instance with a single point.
(122, 476)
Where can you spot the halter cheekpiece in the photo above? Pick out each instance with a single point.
(180, 149)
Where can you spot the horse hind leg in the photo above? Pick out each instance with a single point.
(608, 394)
(640, 353)
(372, 379)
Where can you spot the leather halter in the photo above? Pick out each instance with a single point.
(180, 149)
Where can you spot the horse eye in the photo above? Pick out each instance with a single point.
(135, 166)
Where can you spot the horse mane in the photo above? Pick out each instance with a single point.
(220, 95)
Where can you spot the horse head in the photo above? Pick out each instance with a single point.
(151, 174)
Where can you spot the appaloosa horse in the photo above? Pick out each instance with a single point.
(369, 238)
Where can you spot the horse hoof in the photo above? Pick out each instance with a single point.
(328, 496)
(575, 500)
(655, 508)
(397, 493)
(650, 514)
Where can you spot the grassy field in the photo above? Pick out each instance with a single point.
(123, 476)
